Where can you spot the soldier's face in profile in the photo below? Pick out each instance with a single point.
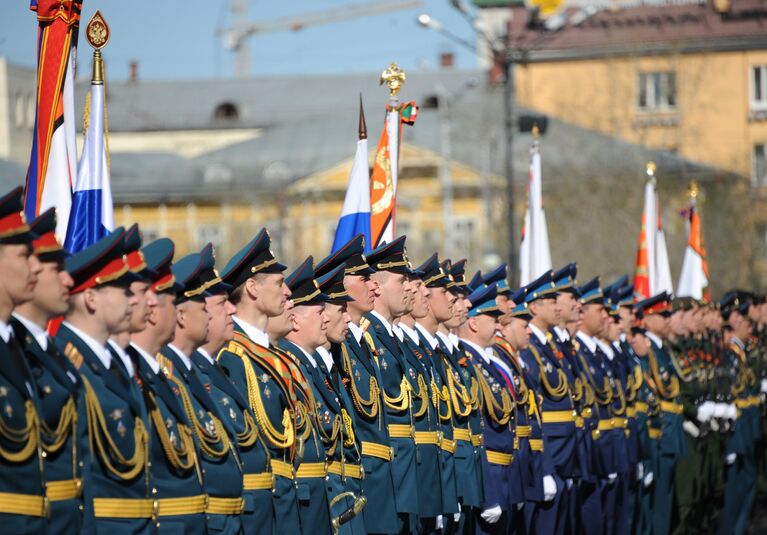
(441, 304)
(20, 269)
(51, 293)
(273, 293)
(459, 313)
(220, 324)
(311, 324)
(546, 311)
(420, 300)
(593, 318)
(114, 304)
(193, 317)
(640, 344)
(338, 322)
(485, 327)
(359, 288)
(163, 317)
(568, 307)
(141, 309)
(517, 333)
(657, 324)
(394, 288)
(627, 318)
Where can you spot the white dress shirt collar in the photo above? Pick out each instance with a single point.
(207, 356)
(539, 334)
(433, 343)
(562, 334)
(384, 321)
(123, 357)
(253, 332)
(6, 331)
(37, 332)
(453, 338)
(100, 351)
(606, 348)
(356, 331)
(482, 351)
(326, 357)
(446, 340)
(655, 338)
(186, 360)
(410, 332)
(149, 359)
(587, 340)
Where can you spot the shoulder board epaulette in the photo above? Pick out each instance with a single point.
(369, 341)
(166, 365)
(74, 355)
(364, 324)
(232, 347)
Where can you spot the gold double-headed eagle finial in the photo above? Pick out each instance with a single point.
(650, 168)
(394, 77)
(693, 190)
(97, 33)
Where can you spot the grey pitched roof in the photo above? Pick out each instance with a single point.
(310, 123)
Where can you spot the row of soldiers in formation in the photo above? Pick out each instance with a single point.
(361, 394)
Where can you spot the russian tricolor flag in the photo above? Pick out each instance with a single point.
(92, 215)
(355, 214)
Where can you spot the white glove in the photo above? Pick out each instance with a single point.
(691, 429)
(720, 410)
(705, 411)
(519, 505)
(492, 514)
(440, 522)
(732, 412)
(640, 471)
(764, 385)
(612, 477)
(457, 516)
(714, 425)
(730, 458)
(569, 483)
(648, 479)
(549, 488)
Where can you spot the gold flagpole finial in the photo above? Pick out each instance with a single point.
(394, 77)
(650, 168)
(693, 190)
(97, 33)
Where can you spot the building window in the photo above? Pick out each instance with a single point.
(759, 87)
(656, 91)
(759, 166)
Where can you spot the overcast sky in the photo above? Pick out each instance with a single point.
(172, 39)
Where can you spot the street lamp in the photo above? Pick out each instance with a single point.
(503, 56)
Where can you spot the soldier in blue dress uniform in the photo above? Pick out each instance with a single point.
(214, 435)
(597, 417)
(260, 375)
(362, 378)
(116, 480)
(553, 380)
(392, 271)
(257, 514)
(655, 313)
(58, 385)
(173, 457)
(24, 505)
(477, 335)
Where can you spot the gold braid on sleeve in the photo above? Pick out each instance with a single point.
(53, 439)
(439, 397)
(558, 391)
(669, 391)
(27, 437)
(423, 396)
(500, 414)
(182, 457)
(459, 396)
(279, 439)
(105, 446)
(369, 408)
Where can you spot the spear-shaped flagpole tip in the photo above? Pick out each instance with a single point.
(363, 129)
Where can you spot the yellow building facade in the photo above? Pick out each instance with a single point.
(713, 117)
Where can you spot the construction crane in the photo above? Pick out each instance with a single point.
(236, 37)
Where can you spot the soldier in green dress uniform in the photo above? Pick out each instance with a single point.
(23, 506)
(58, 385)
